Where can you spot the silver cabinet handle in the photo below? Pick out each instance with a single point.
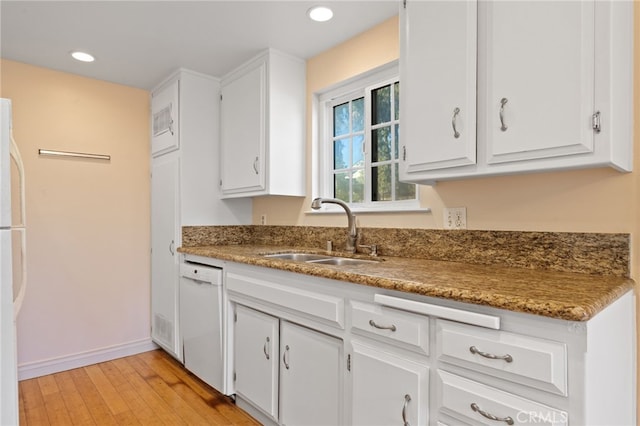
(255, 165)
(171, 126)
(456, 111)
(285, 357)
(407, 399)
(503, 102)
(266, 348)
(507, 420)
(171, 247)
(474, 350)
(382, 327)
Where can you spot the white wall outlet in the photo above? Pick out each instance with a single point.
(263, 219)
(455, 218)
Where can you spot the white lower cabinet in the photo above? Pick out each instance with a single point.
(388, 388)
(315, 351)
(256, 359)
(292, 374)
(310, 376)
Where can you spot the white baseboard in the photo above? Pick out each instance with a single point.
(82, 359)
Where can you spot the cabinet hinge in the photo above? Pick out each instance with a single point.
(220, 182)
(595, 122)
(404, 153)
(235, 317)
(349, 362)
(234, 376)
(220, 97)
(404, 3)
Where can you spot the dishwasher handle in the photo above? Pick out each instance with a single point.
(201, 273)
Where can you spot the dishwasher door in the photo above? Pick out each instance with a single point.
(201, 314)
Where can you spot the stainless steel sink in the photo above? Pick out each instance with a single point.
(340, 261)
(298, 257)
(319, 259)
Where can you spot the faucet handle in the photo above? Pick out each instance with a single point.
(373, 249)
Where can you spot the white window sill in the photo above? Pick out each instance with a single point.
(371, 209)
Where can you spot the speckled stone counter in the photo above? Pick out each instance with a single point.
(511, 282)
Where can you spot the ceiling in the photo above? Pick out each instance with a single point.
(139, 43)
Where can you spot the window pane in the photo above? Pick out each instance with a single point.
(396, 99)
(341, 119)
(358, 186)
(381, 105)
(357, 114)
(341, 154)
(358, 151)
(341, 187)
(397, 131)
(404, 191)
(381, 183)
(381, 144)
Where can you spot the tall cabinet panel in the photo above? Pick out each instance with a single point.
(164, 235)
(184, 189)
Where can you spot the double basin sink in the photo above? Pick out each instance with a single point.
(319, 259)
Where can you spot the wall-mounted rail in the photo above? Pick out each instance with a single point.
(74, 154)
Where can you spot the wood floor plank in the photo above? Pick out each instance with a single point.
(148, 395)
(215, 399)
(142, 412)
(205, 405)
(109, 394)
(144, 389)
(97, 406)
(78, 411)
(34, 409)
(166, 392)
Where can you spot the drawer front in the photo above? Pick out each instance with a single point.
(481, 404)
(392, 325)
(538, 363)
(323, 306)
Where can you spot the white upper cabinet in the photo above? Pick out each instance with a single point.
(263, 127)
(552, 81)
(438, 67)
(165, 119)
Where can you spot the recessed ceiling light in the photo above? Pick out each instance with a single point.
(320, 13)
(82, 56)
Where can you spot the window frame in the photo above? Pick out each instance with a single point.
(322, 119)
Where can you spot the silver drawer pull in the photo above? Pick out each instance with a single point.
(507, 420)
(285, 357)
(456, 133)
(474, 350)
(407, 399)
(382, 327)
(266, 348)
(503, 102)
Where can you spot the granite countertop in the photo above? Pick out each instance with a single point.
(555, 294)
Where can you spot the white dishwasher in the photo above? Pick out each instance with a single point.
(201, 321)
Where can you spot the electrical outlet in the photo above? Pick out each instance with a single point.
(455, 218)
(263, 219)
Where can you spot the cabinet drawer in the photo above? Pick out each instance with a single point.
(538, 363)
(475, 402)
(322, 306)
(392, 325)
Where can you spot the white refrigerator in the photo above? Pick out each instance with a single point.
(12, 262)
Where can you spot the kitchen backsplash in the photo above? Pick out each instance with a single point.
(590, 253)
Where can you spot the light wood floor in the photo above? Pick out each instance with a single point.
(145, 389)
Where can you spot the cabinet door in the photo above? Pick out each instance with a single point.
(164, 269)
(256, 359)
(536, 79)
(310, 377)
(243, 132)
(438, 84)
(165, 119)
(387, 388)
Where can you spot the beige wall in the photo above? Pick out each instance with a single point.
(87, 220)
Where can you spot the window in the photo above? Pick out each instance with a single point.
(358, 143)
